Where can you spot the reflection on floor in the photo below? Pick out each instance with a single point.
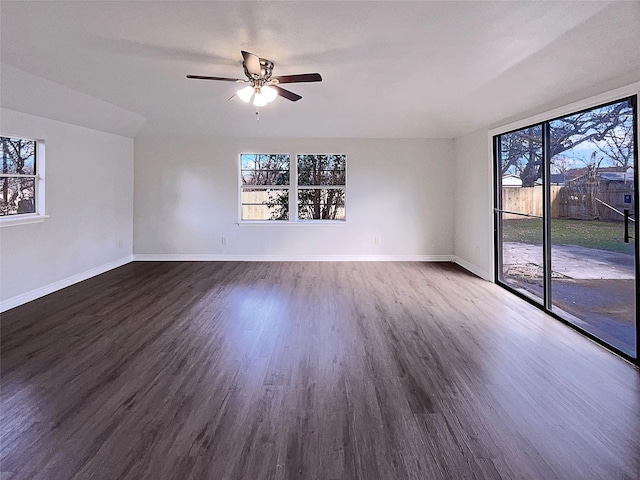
(592, 288)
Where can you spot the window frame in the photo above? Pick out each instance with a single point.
(39, 186)
(293, 192)
(242, 187)
(299, 187)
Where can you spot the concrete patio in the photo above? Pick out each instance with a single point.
(570, 261)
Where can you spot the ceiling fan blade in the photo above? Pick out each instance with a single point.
(252, 63)
(224, 79)
(303, 77)
(294, 97)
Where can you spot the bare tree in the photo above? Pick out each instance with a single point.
(17, 159)
(618, 143)
(609, 128)
(561, 164)
(271, 169)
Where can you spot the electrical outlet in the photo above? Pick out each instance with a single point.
(376, 240)
(119, 243)
(224, 240)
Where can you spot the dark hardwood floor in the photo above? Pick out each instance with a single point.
(230, 370)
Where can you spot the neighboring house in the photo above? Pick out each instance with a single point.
(557, 179)
(603, 174)
(510, 180)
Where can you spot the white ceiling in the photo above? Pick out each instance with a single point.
(390, 69)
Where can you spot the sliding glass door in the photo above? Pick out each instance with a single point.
(566, 204)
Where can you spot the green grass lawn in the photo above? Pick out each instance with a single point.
(584, 233)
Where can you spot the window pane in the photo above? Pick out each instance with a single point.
(321, 169)
(265, 204)
(17, 195)
(521, 157)
(18, 156)
(520, 199)
(522, 258)
(264, 169)
(321, 204)
(593, 267)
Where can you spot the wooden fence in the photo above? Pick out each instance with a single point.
(527, 200)
(579, 201)
(255, 204)
(584, 201)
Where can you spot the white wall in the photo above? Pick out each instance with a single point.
(474, 204)
(89, 200)
(186, 200)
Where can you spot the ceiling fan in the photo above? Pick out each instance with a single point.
(262, 87)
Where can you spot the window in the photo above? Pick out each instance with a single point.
(21, 179)
(318, 191)
(321, 187)
(264, 186)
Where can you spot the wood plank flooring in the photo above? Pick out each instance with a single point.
(231, 370)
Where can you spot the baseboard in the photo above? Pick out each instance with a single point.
(288, 258)
(471, 267)
(59, 285)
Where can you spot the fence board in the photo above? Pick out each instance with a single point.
(577, 201)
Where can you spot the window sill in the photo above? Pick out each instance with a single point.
(21, 220)
(286, 223)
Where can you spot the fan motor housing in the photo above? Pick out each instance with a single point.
(266, 69)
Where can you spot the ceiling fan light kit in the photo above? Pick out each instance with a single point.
(269, 93)
(261, 95)
(261, 86)
(245, 93)
(259, 100)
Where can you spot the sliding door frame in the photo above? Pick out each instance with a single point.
(632, 95)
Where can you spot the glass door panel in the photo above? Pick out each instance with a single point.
(592, 195)
(520, 211)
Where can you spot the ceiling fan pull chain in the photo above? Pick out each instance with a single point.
(257, 115)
